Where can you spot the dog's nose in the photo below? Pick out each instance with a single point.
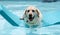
(30, 15)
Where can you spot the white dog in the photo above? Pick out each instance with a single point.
(32, 16)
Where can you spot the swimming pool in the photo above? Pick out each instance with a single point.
(50, 13)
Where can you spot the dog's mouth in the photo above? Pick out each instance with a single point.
(31, 18)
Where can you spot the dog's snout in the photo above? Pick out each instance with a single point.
(30, 15)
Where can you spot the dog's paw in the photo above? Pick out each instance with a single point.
(21, 18)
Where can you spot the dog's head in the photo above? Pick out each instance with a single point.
(31, 12)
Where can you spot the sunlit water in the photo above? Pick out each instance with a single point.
(50, 13)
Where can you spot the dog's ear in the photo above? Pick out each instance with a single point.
(22, 18)
(25, 12)
(37, 12)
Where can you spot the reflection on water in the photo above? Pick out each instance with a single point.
(32, 34)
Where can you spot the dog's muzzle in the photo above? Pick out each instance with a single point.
(30, 17)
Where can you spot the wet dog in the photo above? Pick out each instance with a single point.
(32, 16)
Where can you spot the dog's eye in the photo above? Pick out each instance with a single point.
(28, 10)
(33, 11)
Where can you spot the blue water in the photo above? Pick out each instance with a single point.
(50, 12)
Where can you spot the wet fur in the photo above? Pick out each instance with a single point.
(36, 20)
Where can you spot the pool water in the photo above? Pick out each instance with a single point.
(50, 12)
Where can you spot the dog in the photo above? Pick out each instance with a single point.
(32, 16)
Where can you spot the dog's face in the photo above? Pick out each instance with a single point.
(31, 13)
